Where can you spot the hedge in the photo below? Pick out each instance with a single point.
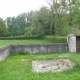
(56, 39)
(52, 39)
(20, 38)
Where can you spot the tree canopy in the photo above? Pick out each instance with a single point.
(3, 28)
(61, 18)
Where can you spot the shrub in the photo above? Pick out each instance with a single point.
(20, 38)
(56, 39)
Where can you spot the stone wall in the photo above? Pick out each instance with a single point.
(4, 52)
(33, 48)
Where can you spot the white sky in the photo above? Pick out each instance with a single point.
(9, 8)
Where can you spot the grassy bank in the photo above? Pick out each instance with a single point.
(19, 67)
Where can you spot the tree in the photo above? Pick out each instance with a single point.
(41, 21)
(8, 21)
(29, 31)
(65, 15)
(16, 25)
(62, 18)
(3, 28)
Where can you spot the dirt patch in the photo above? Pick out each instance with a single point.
(51, 65)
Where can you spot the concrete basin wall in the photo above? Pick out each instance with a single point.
(4, 52)
(34, 48)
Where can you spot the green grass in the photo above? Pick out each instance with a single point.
(19, 67)
(5, 42)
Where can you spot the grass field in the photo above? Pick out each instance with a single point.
(19, 67)
(5, 42)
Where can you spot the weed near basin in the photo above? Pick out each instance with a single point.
(19, 67)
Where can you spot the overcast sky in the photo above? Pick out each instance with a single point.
(9, 8)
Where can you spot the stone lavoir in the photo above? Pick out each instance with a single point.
(72, 45)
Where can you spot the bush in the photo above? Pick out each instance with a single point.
(21, 38)
(56, 39)
(51, 39)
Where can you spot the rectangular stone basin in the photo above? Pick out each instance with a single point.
(51, 65)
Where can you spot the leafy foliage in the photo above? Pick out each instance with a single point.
(3, 28)
(16, 25)
(61, 18)
(56, 39)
